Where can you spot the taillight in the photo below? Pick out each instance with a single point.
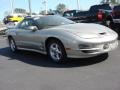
(100, 15)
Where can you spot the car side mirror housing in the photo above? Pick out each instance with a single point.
(33, 28)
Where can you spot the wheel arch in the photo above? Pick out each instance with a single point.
(48, 41)
(52, 38)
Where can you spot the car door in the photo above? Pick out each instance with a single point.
(26, 37)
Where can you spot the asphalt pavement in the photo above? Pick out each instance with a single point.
(33, 71)
(2, 26)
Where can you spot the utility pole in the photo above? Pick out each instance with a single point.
(30, 11)
(45, 4)
(78, 4)
(12, 8)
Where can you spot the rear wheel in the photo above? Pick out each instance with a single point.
(12, 45)
(56, 51)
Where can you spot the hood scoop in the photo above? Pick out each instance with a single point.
(103, 33)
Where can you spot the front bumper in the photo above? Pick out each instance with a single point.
(93, 51)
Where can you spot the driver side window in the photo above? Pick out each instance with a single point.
(26, 23)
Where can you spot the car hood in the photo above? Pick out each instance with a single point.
(86, 30)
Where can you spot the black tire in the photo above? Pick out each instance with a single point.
(112, 25)
(12, 45)
(62, 53)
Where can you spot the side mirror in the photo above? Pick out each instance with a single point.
(33, 28)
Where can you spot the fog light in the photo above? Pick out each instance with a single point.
(106, 46)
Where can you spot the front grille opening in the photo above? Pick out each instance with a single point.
(89, 51)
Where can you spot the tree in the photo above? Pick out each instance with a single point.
(50, 11)
(61, 8)
(115, 1)
(42, 12)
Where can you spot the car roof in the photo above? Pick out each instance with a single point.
(38, 17)
(33, 16)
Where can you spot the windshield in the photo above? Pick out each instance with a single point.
(53, 20)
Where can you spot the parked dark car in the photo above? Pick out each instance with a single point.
(71, 14)
(103, 14)
(92, 15)
(114, 17)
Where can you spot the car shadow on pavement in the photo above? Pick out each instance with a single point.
(38, 59)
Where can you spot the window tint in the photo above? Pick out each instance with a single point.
(53, 20)
(26, 23)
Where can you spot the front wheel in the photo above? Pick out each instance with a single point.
(56, 51)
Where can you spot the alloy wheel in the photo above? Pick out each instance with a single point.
(12, 45)
(56, 51)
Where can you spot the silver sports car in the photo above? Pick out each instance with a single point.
(61, 38)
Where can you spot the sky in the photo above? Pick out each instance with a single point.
(37, 5)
